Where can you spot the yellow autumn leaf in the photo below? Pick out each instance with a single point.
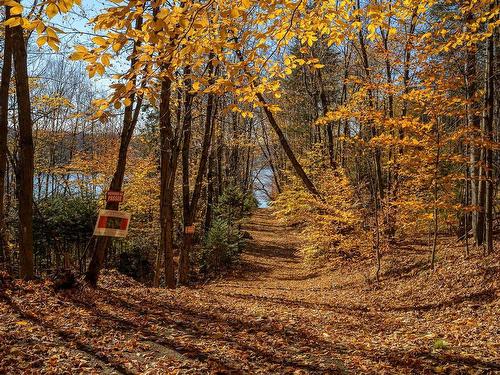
(52, 10)
(53, 43)
(117, 47)
(42, 40)
(76, 56)
(16, 9)
(100, 41)
(235, 12)
(99, 69)
(13, 22)
(106, 59)
(196, 86)
(246, 3)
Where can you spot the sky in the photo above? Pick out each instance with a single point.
(75, 30)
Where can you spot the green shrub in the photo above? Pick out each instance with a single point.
(222, 245)
(61, 223)
(234, 204)
(224, 241)
(250, 203)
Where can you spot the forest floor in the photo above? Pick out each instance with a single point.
(272, 314)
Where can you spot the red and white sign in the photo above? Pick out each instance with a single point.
(112, 223)
(189, 229)
(114, 196)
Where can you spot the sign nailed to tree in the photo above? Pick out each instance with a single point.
(114, 196)
(112, 223)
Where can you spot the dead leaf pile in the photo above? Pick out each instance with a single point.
(271, 314)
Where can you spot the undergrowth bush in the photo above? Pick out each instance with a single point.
(224, 240)
(222, 245)
(330, 226)
(63, 224)
(135, 263)
(234, 204)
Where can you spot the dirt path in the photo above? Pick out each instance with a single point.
(271, 315)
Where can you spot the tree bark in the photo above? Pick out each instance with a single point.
(186, 206)
(219, 161)
(347, 60)
(329, 129)
(101, 244)
(169, 152)
(474, 122)
(26, 154)
(210, 188)
(266, 151)
(436, 191)
(488, 129)
(4, 130)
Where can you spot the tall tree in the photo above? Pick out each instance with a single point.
(130, 118)
(489, 104)
(190, 202)
(26, 154)
(4, 130)
(169, 156)
(474, 122)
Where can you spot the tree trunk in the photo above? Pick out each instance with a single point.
(406, 68)
(186, 132)
(219, 160)
(475, 123)
(191, 203)
(467, 203)
(436, 190)
(210, 189)
(26, 154)
(324, 110)
(373, 130)
(392, 174)
(488, 130)
(347, 60)
(4, 130)
(297, 167)
(266, 151)
(101, 244)
(249, 161)
(130, 118)
(169, 151)
(288, 150)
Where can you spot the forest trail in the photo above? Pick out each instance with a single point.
(270, 315)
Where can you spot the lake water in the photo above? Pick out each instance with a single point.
(263, 186)
(263, 182)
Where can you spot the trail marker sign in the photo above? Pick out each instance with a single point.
(114, 196)
(112, 223)
(189, 229)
